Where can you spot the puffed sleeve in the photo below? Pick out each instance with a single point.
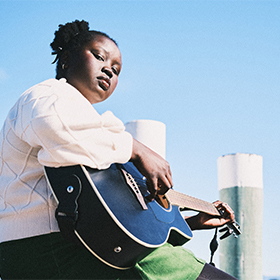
(57, 119)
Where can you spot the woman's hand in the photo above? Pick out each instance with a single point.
(205, 221)
(153, 167)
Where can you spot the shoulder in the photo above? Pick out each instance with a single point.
(56, 97)
(48, 87)
(40, 98)
(51, 89)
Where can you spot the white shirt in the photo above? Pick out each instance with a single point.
(51, 124)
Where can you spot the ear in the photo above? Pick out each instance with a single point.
(65, 59)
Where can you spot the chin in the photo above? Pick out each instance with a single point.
(99, 100)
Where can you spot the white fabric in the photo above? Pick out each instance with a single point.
(52, 124)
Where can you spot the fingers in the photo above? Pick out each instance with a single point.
(155, 168)
(225, 209)
(169, 177)
(159, 185)
(164, 185)
(152, 187)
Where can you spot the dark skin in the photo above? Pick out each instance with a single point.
(94, 70)
(205, 221)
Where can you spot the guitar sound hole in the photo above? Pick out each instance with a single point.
(162, 201)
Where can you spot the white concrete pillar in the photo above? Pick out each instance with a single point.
(149, 132)
(240, 182)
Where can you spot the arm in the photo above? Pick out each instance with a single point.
(205, 221)
(153, 167)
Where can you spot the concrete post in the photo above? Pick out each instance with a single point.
(149, 132)
(240, 182)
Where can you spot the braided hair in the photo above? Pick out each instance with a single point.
(70, 37)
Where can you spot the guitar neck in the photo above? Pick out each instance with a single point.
(188, 202)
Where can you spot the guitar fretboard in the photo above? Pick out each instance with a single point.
(192, 203)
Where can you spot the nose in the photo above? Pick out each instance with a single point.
(107, 71)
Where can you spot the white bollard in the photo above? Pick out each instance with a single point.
(149, 132)
(240, 182)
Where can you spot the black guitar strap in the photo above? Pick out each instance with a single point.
(67, 224)
(213, 247)
(229, 229)
(67, 211)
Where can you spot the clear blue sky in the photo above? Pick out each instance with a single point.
(208, 69)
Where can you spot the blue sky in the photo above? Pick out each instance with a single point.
(208, 69)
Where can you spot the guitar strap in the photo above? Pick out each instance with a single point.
(67, 224)
(213, 247)
(67, 213)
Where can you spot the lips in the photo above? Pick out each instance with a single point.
(104, 82)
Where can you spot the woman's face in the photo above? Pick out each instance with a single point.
(94, 69)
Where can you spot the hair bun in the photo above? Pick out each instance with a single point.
(65, 33)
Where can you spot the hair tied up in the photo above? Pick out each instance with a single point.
(65, 34)
(62, 48)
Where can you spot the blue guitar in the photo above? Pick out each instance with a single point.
(107, 212)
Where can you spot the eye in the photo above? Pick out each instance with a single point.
(98, 56)
(116, 70)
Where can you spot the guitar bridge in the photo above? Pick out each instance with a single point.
(134, 187)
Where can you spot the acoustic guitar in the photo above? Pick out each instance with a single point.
(107, 211)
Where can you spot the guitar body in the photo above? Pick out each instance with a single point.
(100, 210)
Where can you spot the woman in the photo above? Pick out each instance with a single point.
(54, 124)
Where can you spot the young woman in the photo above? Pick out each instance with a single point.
(54, 124)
